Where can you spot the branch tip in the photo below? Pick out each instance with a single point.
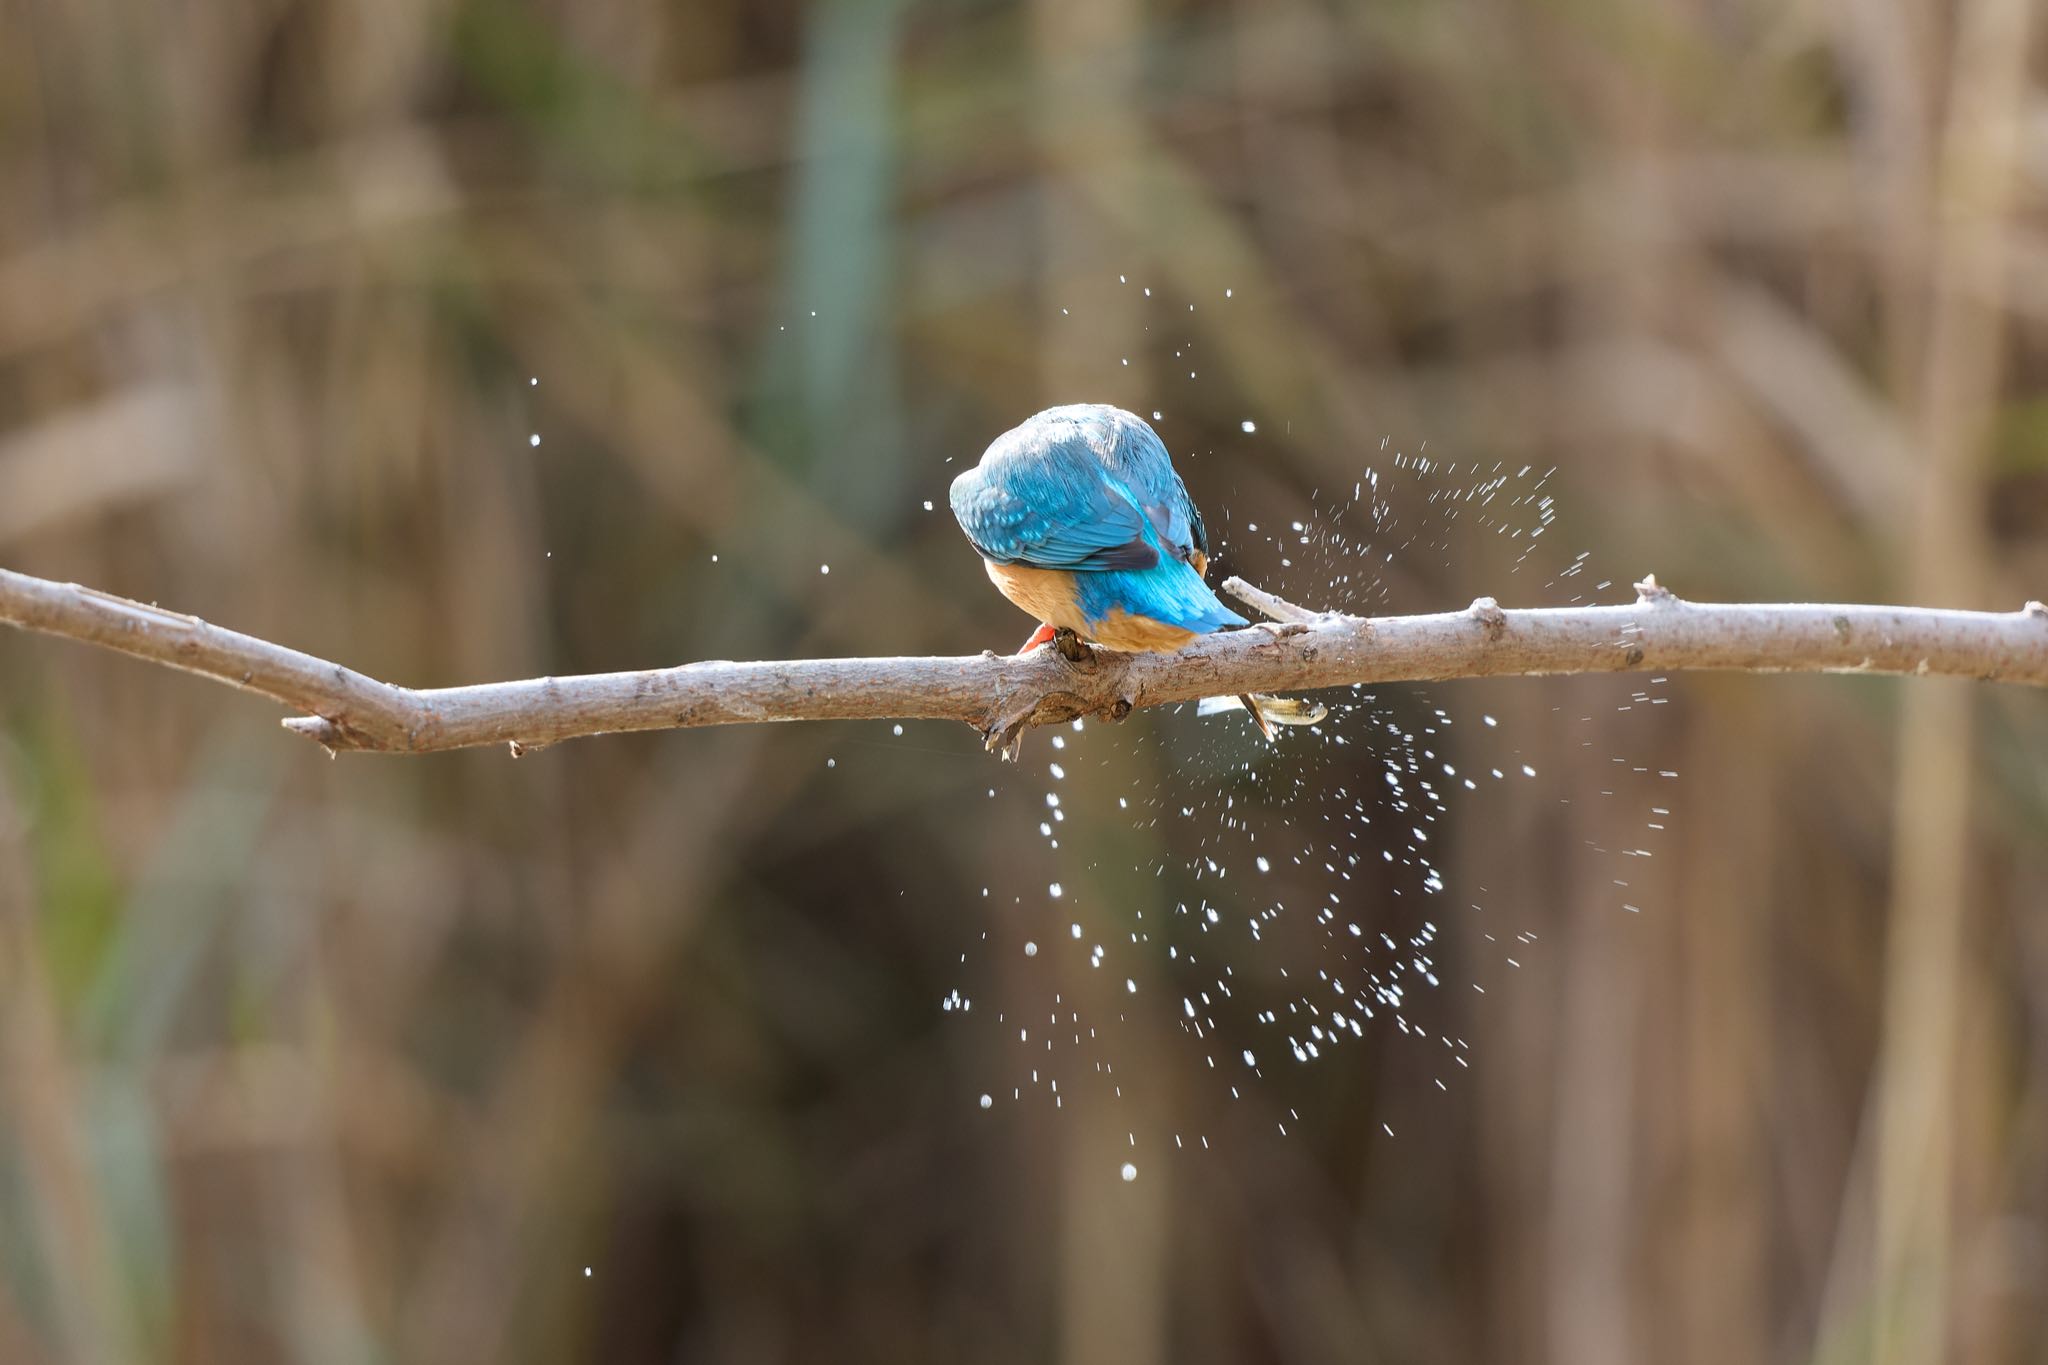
(1268, 604)
(328, 734)
(314, 728)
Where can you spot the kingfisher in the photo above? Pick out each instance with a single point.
(1082, 521)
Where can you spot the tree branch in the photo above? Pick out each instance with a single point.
(1001, 696)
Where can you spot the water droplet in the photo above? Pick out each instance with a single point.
(534, 439)
(987, 1101)
(824, 568)
(1130, 1172)
(1031, 950)
(1247, 426)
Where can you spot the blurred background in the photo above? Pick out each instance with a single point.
(673, 1047)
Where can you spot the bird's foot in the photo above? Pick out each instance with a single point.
(1042, 636)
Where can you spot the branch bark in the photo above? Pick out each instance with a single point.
(1003, 695)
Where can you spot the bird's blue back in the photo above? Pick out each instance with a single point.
(1090, 488)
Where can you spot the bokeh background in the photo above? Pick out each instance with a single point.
(368, 1060)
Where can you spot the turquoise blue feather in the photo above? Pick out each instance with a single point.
(1090, 488)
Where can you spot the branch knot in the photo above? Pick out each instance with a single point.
(1488, 614)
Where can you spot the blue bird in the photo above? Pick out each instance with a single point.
(1082, 522)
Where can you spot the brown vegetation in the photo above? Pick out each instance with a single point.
(310, 1060)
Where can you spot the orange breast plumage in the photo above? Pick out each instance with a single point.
(1137, 634)
(1048, 595)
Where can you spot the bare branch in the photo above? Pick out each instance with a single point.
(1001, 696)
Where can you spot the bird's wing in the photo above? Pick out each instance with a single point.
(1174, 516)
(1051, 509)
